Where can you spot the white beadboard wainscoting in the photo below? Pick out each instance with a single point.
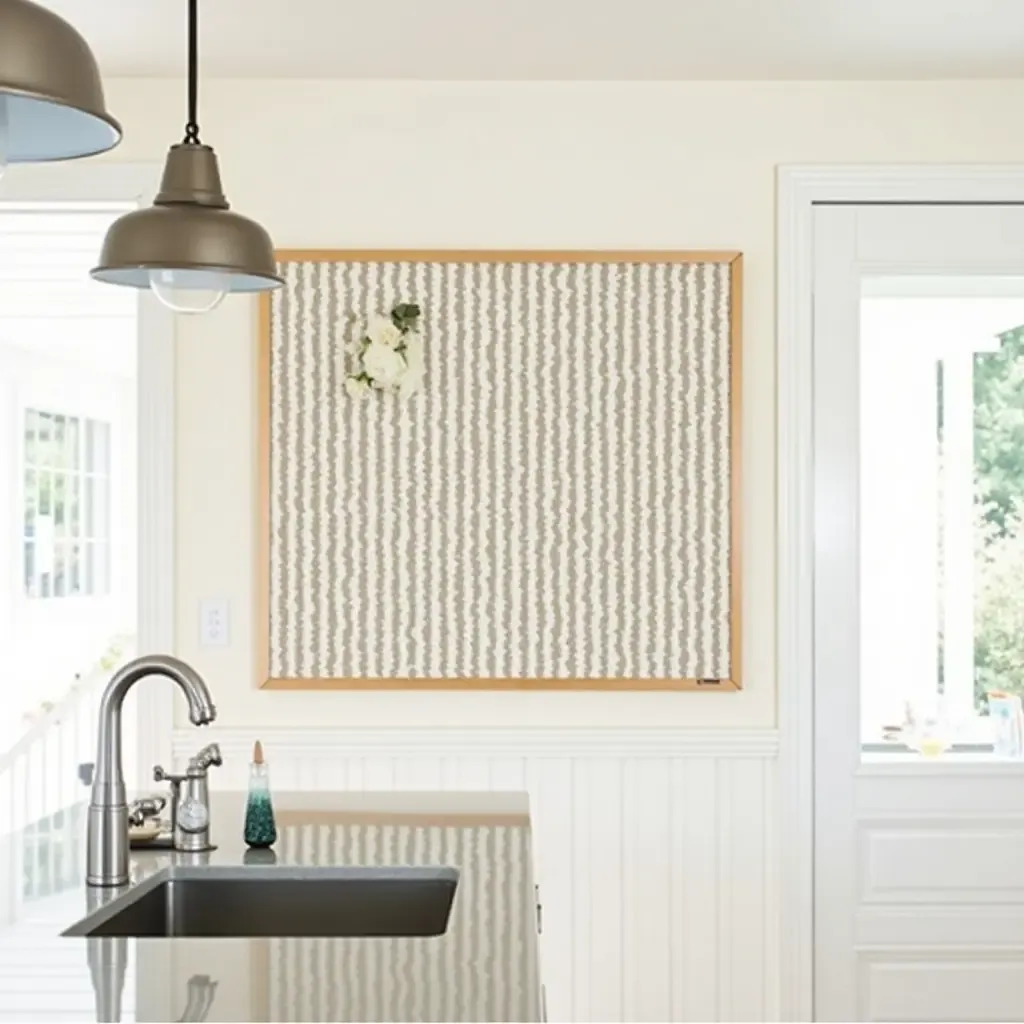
(656, 850)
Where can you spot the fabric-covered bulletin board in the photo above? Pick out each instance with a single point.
(556, 507)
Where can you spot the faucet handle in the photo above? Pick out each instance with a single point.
(209, 755)
(162, 775)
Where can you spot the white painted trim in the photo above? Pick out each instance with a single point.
(489, 742)
(799, 188)
(981, 768)
(155, 389)
(78, 181)
(99, 181)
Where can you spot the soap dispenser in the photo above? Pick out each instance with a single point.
(260, 830)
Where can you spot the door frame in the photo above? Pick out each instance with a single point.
(799, 188)
(135, 182)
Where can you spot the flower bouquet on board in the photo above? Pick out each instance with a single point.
(388, 354)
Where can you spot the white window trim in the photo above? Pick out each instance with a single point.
(799, 188)
(88, 181)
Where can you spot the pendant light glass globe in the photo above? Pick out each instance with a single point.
(52, 97)
(190, 291)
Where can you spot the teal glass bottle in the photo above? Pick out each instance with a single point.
(260, 830)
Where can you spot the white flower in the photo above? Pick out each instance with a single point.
(384, 364)
(381, 330)
(413, 376)
(357, 388)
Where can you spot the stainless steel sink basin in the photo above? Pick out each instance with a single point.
(286, 902)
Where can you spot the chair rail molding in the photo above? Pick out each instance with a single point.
(799, 188)
(493, 742)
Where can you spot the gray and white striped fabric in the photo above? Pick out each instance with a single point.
(484, 967)
(555, 502)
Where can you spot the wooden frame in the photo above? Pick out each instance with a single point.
(261, 610)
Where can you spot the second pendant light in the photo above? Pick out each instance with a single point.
(188, 246)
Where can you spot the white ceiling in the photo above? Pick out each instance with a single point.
(561, 39)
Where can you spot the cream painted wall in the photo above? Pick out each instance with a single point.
(684, 165)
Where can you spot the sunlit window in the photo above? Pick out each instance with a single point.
(66, 505)
(941, 517)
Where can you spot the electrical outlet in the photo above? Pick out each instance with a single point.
(213, 623)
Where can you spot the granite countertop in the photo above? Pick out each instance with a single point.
(484, 968)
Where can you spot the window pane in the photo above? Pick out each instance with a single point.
(59, 433)
(31, 585)
(88, 568)
(31, 424)
(71, 454)
(60, 488)
(31, 502)
(75, 569)
(74, 505)
(60, 570)
(44, 552)
(44, 437)
(45, 479)
(941, 516)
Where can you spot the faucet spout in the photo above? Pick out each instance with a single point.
(107, 850)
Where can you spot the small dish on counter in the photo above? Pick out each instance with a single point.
(144, 833)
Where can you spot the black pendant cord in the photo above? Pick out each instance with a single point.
(192, 127)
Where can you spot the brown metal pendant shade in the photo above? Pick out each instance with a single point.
(189, 247)
(189, 228)
(51, 97)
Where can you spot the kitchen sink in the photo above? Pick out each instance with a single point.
(282, 902)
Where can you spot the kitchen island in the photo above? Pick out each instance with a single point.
(483, 968)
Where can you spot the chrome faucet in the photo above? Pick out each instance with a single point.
(107, 843)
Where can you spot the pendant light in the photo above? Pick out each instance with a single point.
(188, 246)
(51, 98)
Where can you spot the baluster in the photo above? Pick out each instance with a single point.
(11, 796)
(39, 748)
(63, 775)
(45, 746)
(82, 752)
(54, 735)
(26, 789)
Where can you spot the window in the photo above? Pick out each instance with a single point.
(942, 508)
(66, 505)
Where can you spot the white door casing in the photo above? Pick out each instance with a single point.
(916, 881)
(910, 908)
(87, 181)
(800, 188)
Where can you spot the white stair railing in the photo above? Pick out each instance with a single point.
(39, 773)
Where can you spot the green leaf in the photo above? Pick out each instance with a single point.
(405, 314)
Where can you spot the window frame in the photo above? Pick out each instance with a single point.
(60, 395)
(80, 473)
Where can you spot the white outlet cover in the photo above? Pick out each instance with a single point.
(213, 623)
